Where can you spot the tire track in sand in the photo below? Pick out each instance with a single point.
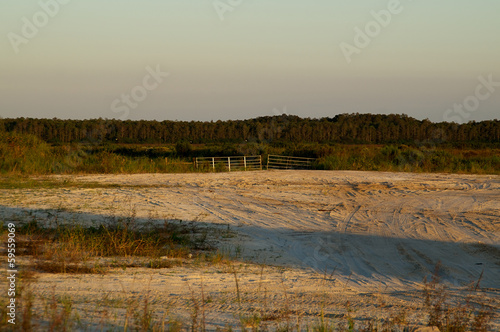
(405, 254)
(350, 261)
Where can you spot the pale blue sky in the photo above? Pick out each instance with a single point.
(263, 58)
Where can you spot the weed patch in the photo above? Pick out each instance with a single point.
(119, 243)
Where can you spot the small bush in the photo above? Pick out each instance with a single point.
(183, 149)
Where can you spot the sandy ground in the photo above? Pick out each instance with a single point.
(325, 237)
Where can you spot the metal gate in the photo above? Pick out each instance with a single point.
(235, 163)
(288, 162)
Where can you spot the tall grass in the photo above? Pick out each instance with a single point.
(24, 154)
(411, 159)
(27, 155)
(73, 248)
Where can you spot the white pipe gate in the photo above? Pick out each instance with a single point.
(287, 162)
(230, 163)
(244, 163)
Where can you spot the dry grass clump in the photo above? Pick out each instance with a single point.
(118, 243)
(468, 314)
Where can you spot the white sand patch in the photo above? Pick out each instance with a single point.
(374, 231)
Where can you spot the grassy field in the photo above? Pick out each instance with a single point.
(27, 155)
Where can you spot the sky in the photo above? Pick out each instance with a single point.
(239, 59)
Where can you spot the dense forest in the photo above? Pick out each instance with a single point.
(343, 128)
(354, 142)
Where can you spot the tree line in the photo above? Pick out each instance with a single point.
(342, 128)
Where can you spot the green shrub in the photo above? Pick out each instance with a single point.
(23, 154)
(183, 149)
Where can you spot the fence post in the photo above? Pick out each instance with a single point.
(229, 163)
(213, 163)
(245, 162)
(260, 162)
